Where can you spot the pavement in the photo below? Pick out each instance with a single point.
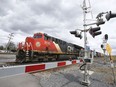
(69, 76)
(23, 80)
(72, 78)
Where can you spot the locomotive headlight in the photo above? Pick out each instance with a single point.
(38, 44)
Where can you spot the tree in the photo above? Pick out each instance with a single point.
(1, 47)
(11, 46)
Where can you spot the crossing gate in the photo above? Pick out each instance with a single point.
(21, 69)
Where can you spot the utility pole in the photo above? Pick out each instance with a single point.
(10, 37)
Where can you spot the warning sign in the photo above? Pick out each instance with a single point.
(108, 49)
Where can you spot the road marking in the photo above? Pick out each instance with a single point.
(89, 72)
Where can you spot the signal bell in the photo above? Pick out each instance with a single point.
(110, 15)
(94, 31)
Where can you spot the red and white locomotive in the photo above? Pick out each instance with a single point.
(42, 46)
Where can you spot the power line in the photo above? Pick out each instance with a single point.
(11, 35)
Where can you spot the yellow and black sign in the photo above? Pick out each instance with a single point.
(108, 49)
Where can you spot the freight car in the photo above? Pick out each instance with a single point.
(42, 46)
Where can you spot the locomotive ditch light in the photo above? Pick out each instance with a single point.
(76, 33)
(95, 31)
(110, 15)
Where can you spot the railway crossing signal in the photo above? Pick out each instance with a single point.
(100, 22)
(106, 36)
(76, 33)
(95, 31)
(102, 46)
(110, 15)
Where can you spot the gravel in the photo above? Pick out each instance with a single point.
(71, 76)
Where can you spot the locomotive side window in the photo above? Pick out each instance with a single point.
(47, 37)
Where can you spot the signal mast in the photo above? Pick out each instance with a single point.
(93, 31)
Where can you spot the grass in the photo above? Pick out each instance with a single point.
(114, 58)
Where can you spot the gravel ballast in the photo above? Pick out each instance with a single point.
(71, 76)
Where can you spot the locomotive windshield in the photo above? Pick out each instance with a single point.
(37, 36)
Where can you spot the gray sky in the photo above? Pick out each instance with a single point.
(54, 17)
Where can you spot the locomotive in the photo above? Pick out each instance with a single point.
(44, 47)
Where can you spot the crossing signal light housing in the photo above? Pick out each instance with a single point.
(110, 15)
(95, 31)
(102, 46)
(77, 34)
(100, 22)
(106, 36)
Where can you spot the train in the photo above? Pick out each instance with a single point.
(45, 47)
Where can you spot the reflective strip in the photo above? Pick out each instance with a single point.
(61, 64)
(51, 65)
(68, 62)
(77, 61)
(81, 60)
(34, 68)
(74, 62)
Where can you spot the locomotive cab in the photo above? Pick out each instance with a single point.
(37, 36)
(37, 42)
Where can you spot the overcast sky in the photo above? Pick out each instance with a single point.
(54, 17)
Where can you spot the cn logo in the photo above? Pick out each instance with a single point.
(38, 44)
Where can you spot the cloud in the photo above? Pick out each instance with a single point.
(5, 5)
(54, 17)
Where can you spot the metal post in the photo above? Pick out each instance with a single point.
(86, 77)
(104, 56)
(104, 49)
(112, 67)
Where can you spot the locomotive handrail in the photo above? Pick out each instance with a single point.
(29, 45)
(32, 49)
(21, 45)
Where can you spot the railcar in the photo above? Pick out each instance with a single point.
(44, 47)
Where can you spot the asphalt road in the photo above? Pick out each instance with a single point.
(62, 77)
